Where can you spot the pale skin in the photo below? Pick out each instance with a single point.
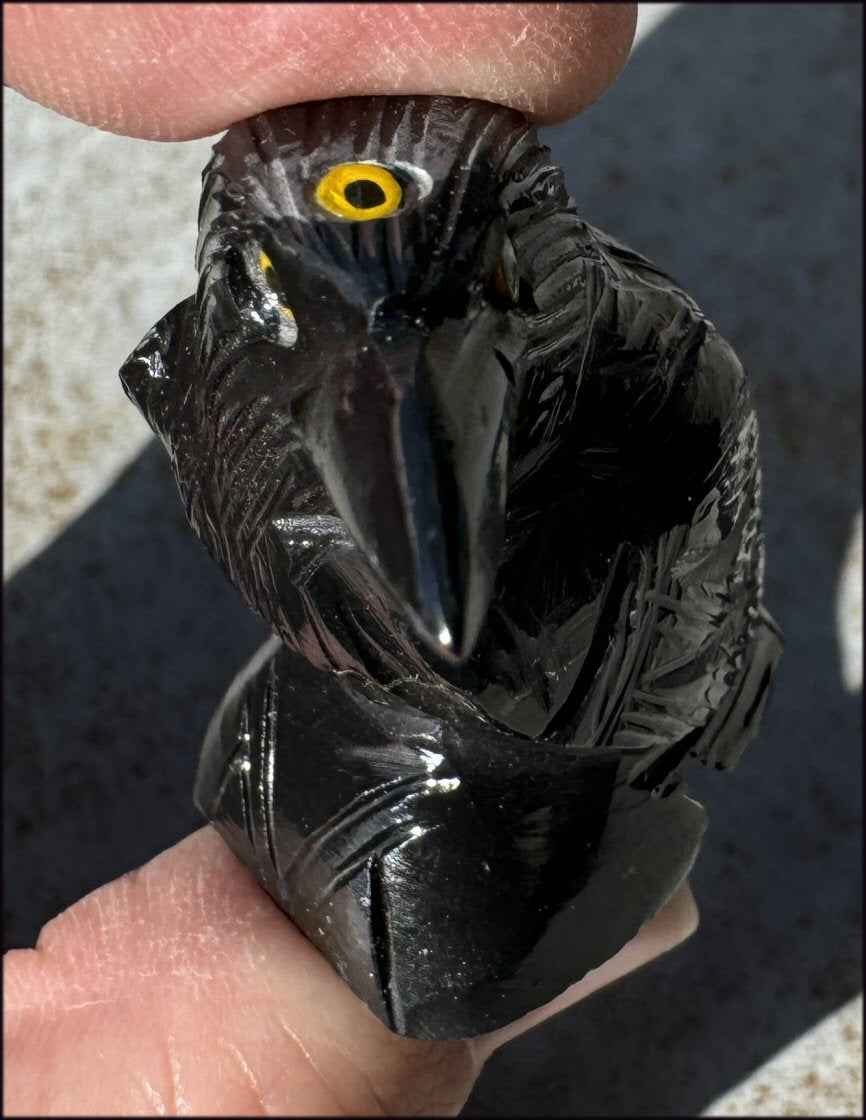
(181, 989)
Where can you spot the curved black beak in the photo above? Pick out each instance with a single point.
(412, 444)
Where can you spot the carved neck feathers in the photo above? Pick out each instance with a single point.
(263, 168)
(260, 173)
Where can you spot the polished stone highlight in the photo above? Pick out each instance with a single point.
(492, 479)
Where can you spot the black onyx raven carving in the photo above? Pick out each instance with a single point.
(491, 477)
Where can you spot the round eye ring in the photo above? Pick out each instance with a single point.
(359, 192)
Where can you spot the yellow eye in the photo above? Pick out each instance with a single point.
(271, 278)
(503, 283)
(267, 267)
(502, 286)
(359, 192)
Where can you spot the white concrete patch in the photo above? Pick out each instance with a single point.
(100, 236)
(649, 16)
(821, 1074)
(849, 610)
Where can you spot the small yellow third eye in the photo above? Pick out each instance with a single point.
(359, 192)
(270, 274)
(267, 267)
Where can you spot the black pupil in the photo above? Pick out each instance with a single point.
(364, 194)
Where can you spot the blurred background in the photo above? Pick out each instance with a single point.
(729, 152)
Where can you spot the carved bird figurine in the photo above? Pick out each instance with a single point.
(491, 477)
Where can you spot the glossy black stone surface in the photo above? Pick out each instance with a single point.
(492, 479)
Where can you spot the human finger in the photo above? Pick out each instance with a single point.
(181, 988)
(178, 71)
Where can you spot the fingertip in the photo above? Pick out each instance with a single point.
(177, 71)
(681, 914)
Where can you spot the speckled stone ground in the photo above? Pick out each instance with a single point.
(97, 232)
(821, 1074)
(728, 153)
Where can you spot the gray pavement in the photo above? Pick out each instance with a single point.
(729, 153)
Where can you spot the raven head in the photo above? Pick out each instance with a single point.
(369, 241)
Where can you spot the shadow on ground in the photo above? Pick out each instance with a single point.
(728, 153)
(120, 639)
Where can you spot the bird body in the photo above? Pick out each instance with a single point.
(492, 479)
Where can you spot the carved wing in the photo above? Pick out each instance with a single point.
(629, 612)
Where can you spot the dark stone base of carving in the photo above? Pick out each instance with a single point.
(455, 876)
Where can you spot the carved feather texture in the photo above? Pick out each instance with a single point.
(625, 630)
